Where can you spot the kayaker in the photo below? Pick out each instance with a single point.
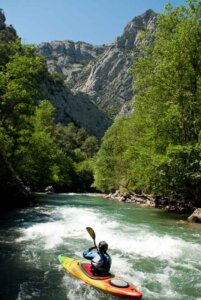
(100, 260)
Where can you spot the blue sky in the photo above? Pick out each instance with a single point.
(93, 21)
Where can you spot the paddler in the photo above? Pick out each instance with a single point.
(100, 260)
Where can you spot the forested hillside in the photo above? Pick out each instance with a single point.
(157, 149)
(33, 147)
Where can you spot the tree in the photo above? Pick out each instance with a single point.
(113, 163)
(39, 151)
(90, 146)
(163, 131)
(168, 94)
(20, 89)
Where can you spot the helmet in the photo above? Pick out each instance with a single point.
(103, 246)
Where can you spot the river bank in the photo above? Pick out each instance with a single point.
(149, 201)
(13, 191)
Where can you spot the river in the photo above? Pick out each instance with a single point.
(148, 248)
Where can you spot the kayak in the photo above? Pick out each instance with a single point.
(110, 284)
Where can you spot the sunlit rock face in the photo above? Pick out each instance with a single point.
(71, 105)
(195, 217)
(97, 79)
(100, 72)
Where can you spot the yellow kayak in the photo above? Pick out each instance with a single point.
(110, 284)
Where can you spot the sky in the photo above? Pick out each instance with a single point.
(94, 21)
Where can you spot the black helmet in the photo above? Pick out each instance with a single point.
(103, 246)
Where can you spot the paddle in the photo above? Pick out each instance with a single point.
(92, 234)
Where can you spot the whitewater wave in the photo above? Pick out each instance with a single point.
(67, 224)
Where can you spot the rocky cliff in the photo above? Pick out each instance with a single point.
(75, 107)
(101, 73)
(97, 81)
(7, 33)
(71, 106)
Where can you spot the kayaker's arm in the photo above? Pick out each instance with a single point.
(88, 254)
(92, 248)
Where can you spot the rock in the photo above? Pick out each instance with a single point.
(149, 203)
(7, 33)
(101, 73)
(117, 193)
(195, 217)
(97, 79)
(126, 195)
(121, 199)
(131, 197)
(71, 105)
(13, 192)
(130, 37)
(182, 222)
(128, 200)
(137, 199)
(170, 208)
(76, 108)
(49, 189)
(2, 20)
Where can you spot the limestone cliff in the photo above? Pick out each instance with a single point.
(99, 72)
(75, 107)
(71, 106)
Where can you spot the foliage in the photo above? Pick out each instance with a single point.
(157, 147)
(40, 151)
(111, 168)
(70, 137)
(57, 78)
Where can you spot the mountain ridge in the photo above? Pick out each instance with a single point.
(100, 72)
(97, 84)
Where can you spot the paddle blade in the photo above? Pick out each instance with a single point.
(91, 232)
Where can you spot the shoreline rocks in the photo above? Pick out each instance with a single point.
(195, 217)
(149, 201)
(131, 197)
(49, 190)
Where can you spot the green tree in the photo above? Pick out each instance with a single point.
(113, 162)
(20, 89)
(38, 150)
(38, 160)
(162, 134)
(90, 146)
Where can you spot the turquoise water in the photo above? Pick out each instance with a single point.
(162, 259)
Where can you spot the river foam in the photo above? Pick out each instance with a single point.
(159, 257)
(69, 223)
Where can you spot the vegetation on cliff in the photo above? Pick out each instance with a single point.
(39, 151)
(157, 149)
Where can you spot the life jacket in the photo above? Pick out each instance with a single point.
(101, 263)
